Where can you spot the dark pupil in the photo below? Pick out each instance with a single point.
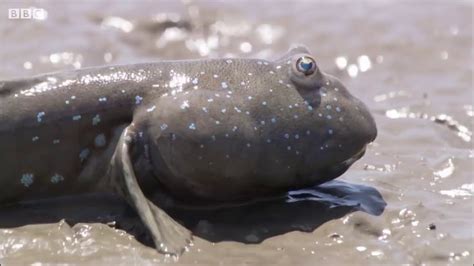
(306, 66)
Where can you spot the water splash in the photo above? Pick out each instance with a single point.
(447, 171)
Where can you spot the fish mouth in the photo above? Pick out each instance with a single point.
(355, 157)
(340, 168)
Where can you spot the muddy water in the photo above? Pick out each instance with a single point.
(408, 200)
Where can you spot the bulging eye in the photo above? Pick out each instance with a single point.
(306, 65)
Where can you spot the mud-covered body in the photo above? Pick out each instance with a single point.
(55, 129)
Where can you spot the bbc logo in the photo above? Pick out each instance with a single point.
(27, 13)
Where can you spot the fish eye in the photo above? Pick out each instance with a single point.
(306, 65)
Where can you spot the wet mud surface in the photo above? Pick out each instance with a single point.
(408, 200)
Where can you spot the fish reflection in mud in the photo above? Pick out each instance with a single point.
(300, 210)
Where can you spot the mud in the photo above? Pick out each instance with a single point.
(408, 200)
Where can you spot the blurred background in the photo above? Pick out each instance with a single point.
(411, 62)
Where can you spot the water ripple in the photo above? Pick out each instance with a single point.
(461, 131)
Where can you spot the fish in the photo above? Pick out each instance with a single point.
(220, 130)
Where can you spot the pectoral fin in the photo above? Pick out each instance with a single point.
(169, 236)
